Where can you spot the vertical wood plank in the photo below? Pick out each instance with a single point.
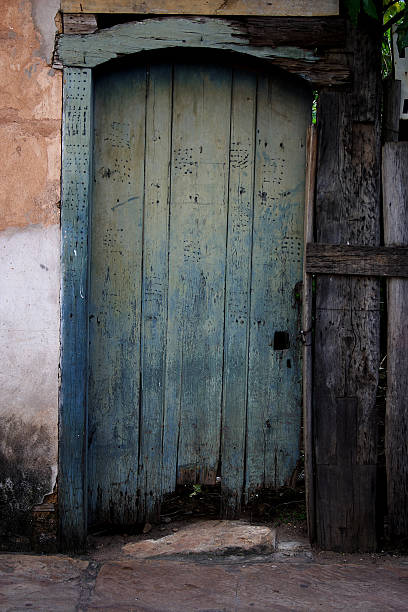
(115, 304)
(347, 309)
(307, 322)
(76, 160)
(395, 203)
(391, 110)
(155, 285)
(274, 378)
(198, 217)
(239, 249)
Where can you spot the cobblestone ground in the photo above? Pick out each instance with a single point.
(178, 570)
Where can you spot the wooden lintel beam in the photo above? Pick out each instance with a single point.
(322, 69)
(281, 8)
(351, 260)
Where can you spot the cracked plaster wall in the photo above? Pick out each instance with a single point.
(30, 132)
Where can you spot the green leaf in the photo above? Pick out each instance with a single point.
(353, 7)
(370, 8)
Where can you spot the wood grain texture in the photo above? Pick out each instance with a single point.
(177, 282)
(395, 202)
(237, 289)
(307, 323)
(347, 309)
(204, 7)
(351, 260)
(76, 163)
(115, 296)
(197, 254)
(391, 111)
(155, 285)
(79, 23)
(302, 32)
(274, 379)
(200, 32)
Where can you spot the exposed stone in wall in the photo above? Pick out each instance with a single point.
(30, 121)
(30, 133)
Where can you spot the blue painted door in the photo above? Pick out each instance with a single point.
(196, 259)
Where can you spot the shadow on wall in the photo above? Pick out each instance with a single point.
(25, 477)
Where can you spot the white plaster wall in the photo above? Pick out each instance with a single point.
(29, 325)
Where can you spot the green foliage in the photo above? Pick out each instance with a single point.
(353, 7)
(392, 12)
(370, 8)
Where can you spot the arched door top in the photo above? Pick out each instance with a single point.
(91, 50)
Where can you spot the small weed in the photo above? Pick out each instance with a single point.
(196, 490)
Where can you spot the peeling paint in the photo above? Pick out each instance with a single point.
(30, 115)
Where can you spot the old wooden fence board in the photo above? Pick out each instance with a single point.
(115, 296)
(395, 202)
(274, 349)
(155, 282)
(238, 281)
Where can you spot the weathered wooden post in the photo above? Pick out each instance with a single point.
(347, 308)
(395, 206)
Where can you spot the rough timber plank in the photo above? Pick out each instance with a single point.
(357, 260)
(155, 285)
(76, 162)
(237, 288)
(199, 32)
(115, 295)
(274, 377)
(197, 252)
(395, 202)
(391, 112)
(307, 323)
(205, 7)
(79, 23)
(347, 309)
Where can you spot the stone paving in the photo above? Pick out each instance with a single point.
(145, 573)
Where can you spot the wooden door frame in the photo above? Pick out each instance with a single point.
(79, 55)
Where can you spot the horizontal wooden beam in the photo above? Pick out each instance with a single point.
(323, 69)
(278, 8)
(348, 260)
(79, 23)
(302, 32)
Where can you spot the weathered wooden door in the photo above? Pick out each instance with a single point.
(196, 257)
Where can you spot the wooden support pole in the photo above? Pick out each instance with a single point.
(347, 324)
(307, 332)
(395, 208)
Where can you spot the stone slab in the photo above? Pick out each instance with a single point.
(41, 583)
(208, 538)
(170, 586)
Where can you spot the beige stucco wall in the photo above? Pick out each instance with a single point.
(30, 129)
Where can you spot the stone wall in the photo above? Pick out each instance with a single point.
(30, 141)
